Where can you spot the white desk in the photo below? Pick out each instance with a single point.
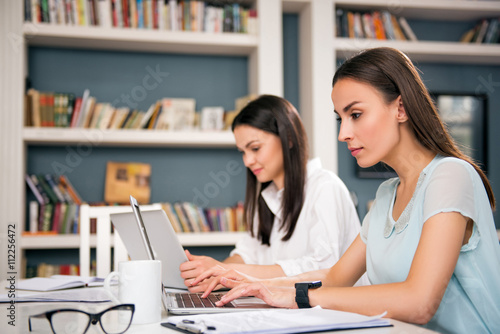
(24, 310)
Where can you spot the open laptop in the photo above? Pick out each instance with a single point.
(149, 235)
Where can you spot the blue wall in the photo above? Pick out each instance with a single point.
(291, 58)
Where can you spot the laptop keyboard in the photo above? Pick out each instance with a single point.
(194, 300)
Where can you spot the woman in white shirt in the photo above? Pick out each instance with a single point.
(300, 216)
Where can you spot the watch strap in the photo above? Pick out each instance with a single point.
(302, 295)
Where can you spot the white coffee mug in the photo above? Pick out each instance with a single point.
(139, 283)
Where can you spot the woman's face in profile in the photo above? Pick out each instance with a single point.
(262, 153)
(368, 124)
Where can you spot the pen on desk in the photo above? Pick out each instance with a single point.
(194, 327)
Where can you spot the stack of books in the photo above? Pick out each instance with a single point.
(380, 25)
(173, 15)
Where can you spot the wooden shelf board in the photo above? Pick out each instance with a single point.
(441, 10)
(142, 138)
(426, 51)
(126, 39)
(72, 241)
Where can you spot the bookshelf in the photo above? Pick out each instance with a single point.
(422, 50)
(265, 75)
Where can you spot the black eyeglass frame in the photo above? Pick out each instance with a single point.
(94, 318)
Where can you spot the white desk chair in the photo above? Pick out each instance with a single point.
(103, 236)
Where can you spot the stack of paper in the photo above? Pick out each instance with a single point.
(276, 321)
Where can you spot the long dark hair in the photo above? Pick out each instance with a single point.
(393, 74)
(277, 116)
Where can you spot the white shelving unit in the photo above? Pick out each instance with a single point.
(140, 39)
(265, 72)
(129, 138)
(69, 241)
(426, 51)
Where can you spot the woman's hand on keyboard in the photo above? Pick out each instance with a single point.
(210, 279)
(272, 295)
(195, 267)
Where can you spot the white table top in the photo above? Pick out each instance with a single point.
(24, 310)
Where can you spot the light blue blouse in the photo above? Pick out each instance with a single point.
(471, 303)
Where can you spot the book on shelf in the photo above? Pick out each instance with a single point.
(33, 112)
(408, 31)
(378, 25)
(492, 32)
(176, 114)
(127, 178)
(171, 15)
(212, 118)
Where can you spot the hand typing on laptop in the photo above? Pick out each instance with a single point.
(194, 267)
(244, 286)
(210, 280)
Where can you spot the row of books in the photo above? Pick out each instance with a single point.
(55, 210)
(187, 217)
(174, 15)
(373, 25)
(53, 109)
(56, 205)
(50, 109)
(48, 270)
(485, 31)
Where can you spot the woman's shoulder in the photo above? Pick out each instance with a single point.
(454, 168)
(317, 174)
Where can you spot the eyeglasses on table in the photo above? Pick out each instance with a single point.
(114, 320)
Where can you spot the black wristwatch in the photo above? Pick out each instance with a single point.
(302, 293)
